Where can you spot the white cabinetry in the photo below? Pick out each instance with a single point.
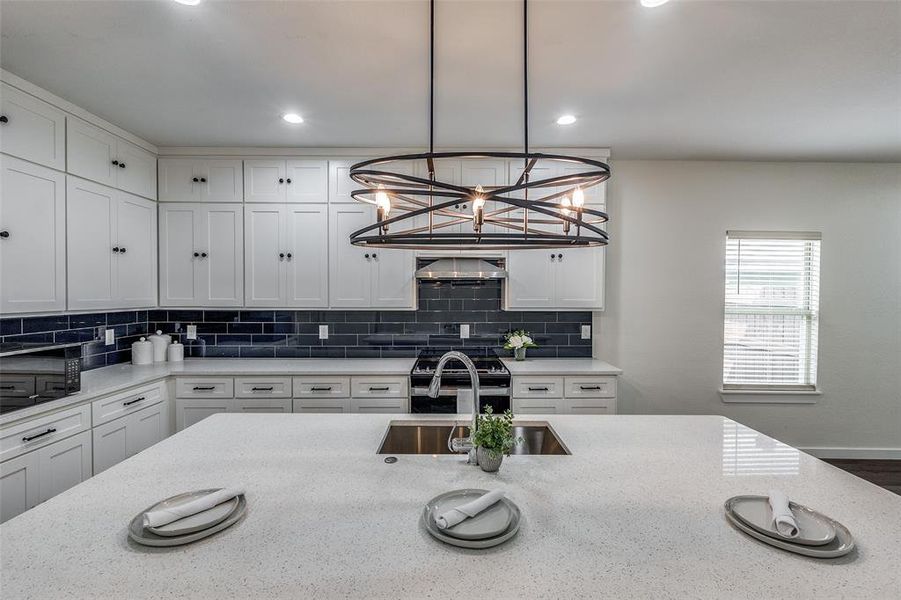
(299, 180)
(121, 438)
(200, 180)
(201, 254)
(579, 394)
(363, 277)
(32, 237)
(31, 128)
(200, 397)
(19, 485)
(559, 279)
(286, 257)
(111, 241)
(96, 154)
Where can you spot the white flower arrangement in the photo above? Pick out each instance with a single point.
(518, 339)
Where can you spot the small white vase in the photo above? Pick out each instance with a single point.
(519, 353)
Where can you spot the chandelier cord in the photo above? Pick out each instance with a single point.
(431, 76)
(525, 74)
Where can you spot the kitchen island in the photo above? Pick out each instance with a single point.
(635, 511)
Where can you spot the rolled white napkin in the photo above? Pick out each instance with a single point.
(164, 516)
(783, 519)
(465, 511)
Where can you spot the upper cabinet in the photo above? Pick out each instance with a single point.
(32, 237)
(340, 185)
(201, 180)
(32, 129)
(96, 154)
(300, 180)
(111, 247)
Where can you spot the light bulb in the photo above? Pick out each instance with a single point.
(382, 201)
(478, 204)
(578, 198)
(565, 203)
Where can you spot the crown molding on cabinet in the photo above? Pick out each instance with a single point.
(64, 105)
(264, 152)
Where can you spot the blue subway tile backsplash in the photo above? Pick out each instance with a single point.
(226, 333)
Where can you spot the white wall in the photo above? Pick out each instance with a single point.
(663, 323)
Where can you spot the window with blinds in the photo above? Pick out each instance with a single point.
(772, 310)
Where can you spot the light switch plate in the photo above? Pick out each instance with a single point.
(323, 332)
(586, 332)
(109, 337)
(192, 332)
(464, 332)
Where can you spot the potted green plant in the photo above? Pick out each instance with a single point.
(494, 438)
(518, 341)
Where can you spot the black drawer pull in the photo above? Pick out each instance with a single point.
(538, 389)
(135, 401)
(379, 389)
(28, 438)
(4, 119)
(321, 389)
(204, 388)
(7, 387)
(589, 387)
(261, 389)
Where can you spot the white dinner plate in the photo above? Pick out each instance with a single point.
(145, 537)
(196, 522)
(814, 529)
(489, 523)
(840, 546)
(430, 526)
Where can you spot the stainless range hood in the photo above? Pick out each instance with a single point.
(460, 269)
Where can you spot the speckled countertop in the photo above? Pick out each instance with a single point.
(635, 512)
(560, 366)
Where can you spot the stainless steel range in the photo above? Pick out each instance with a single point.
(494, 381)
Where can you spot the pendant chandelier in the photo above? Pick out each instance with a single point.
(417, 210)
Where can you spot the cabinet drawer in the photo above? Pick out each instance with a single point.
(590, 387)
(262, 387)
(193, 410)
(17, 386)
(379, 387)
(590, 406)
(322, 405)
(378, 405)
(537, 406)
(261, 405)
(204, 387)
(537, 387)
(39, 432)
(322, 387)
(125, 403)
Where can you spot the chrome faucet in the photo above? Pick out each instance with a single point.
(463, 443)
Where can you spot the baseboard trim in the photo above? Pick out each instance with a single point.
(854, 453)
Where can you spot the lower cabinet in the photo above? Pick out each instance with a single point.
(37, 476)
(126, 436)
(322, 405)
(191, 411)
(379, 405)
(575, 395)
(259, 405)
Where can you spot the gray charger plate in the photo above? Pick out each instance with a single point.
(196, 522)
(142, 536)
(430, 526)
(814, 529)
(491, 522)
(840, 546)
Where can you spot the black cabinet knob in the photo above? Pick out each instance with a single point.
(456, 206)
(4, 234)
(559, 257)
(116, 162)
(281, 180)
(374, 255)
(4, 119)
(121, 165)
(203, 180)
(196, 254)
(122, 250)
(195, 180)
(289, 256)
(366, 256)
(553, 256)
(281, 255)
(288, 180)
(464, 207)
(203, 255)
(115, 248)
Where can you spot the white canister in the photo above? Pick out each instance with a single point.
(142, 352)
(160, 344)
(176, 352)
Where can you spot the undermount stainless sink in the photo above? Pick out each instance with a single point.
(431, 438)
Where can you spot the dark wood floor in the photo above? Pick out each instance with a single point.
(885, 473)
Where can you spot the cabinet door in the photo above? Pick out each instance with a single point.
(110, 444)
(307, 181)
(221, 272)
(378, 405)
(90, 227)
(261, 405)
(136, 237)
(306, 239)
(349, 267)
(176, 180)
(340, 185)
(34, 130)
(392, 278)
(63, 465)
(19, 485)
(448, 172)
(322, 405)
(265, 255)
(579, 279)
(137, 170)
(179, 225)
(91, 152)
(147, 427)
(224, 180)
(264, 181)
(530, 279)
(189, 412)
(32, 255)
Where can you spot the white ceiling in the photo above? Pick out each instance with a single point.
(809, 80)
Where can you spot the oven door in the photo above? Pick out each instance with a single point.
(446, 402)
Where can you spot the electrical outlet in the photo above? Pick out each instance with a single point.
(109, 337)
(192, 332)
(464, 332)
(323, 332)
(586, 332)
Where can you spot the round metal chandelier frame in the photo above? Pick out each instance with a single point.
(530, 213)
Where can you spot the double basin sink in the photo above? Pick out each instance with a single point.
(431, 438)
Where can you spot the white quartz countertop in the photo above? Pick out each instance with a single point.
(635, 512)
(560, 366)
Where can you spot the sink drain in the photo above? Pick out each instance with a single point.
(390, 459)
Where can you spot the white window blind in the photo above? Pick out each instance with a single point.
(772, 310)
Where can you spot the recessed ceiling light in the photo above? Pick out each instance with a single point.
(566, 120)
(189, 2)
(653, 3)
(292, 118)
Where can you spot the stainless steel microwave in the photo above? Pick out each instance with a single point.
(33, 374)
